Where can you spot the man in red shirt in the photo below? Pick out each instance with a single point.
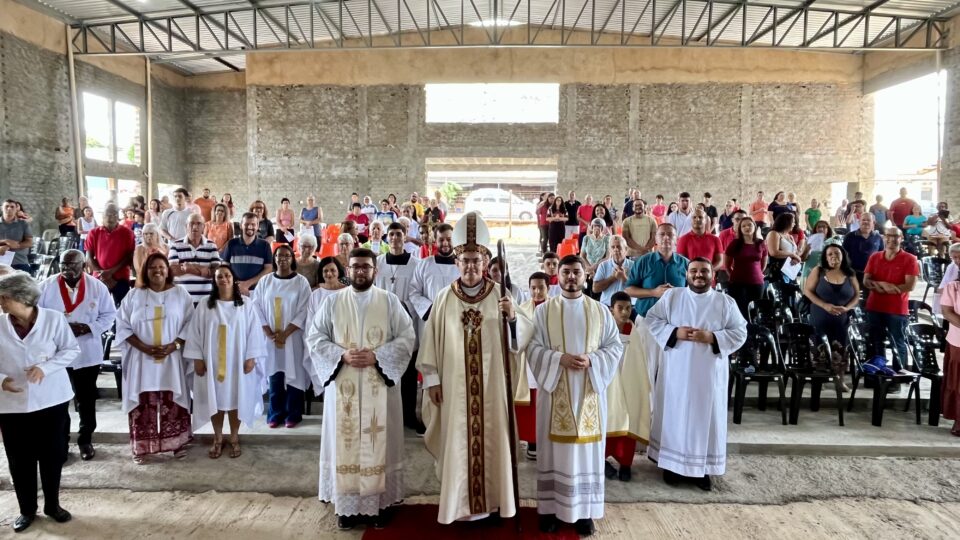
(728, 235)
(890, 275)
(361, 220)
(901, 208)
(205, 203)
(700, 243)
(585, 216)
(109, 250)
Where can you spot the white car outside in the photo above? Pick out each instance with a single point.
(493, 203)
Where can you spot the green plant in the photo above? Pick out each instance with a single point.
(451, 190)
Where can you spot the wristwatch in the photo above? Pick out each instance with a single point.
(177, 345)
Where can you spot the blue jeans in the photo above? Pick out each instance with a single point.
(892, 326)
(286, 402)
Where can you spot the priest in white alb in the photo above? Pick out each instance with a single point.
(574, 354)
(395, 273)
(360, 344)
(461, 359)
(697, 328)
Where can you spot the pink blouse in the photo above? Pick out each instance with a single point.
(951, 297)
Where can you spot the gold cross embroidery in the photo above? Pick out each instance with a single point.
(373, 430)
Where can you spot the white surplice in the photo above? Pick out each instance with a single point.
(238, 391)
(97, 311)
(141, 373)
(294, 294)
(429, 278)
(689, 431)
(393, 356)
(570, 481)
(398, 279)
(313, 305)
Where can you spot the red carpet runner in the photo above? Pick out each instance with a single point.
(420, 521)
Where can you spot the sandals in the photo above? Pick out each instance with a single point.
(217, 449)
(139, 460)
(180, 453)
(235, 448)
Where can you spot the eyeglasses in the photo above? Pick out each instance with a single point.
(471, 262)
(361, 267)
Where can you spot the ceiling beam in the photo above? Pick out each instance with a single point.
(847, 20)
(781, 21)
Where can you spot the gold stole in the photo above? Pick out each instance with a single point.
(278, 316)
(564, 428)
(158, 331)
(361, 397)
(221, 352)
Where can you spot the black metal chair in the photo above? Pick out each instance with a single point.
(785, 295)
(768, 313)
(758, 360)
(111, 366)
(802, 352)
(861, 348)
(931, 270)
(923, 341)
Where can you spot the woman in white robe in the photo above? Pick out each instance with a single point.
(227, 346)
(156, 394)
(281, 299)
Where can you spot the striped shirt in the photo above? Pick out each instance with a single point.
(205, 255)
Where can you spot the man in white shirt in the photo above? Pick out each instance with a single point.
(89, 309)
(682, 219)
(173, 222)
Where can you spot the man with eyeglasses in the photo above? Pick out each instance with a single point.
(395, 273)
(90, 311)
(249, 256)
(461, 359)
(361, 349)
(890, 275)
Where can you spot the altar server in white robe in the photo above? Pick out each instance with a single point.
(525, 400)
(282, 299)
(697, 328)
(574, 354)
(395, 273)
(89, 308)
(434, 274)
(227, 346)
(332, 278)
(360, 344)
(156, 394)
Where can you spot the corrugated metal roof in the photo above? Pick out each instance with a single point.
(353, 19)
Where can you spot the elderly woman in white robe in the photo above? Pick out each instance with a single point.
(227, 347)
(156, 396)
(36, 346)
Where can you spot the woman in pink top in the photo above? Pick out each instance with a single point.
(659, 210)
(950, 307)
(284, 221)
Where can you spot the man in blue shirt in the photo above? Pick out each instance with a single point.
(652, 274)
(249, 256)
(861, 244)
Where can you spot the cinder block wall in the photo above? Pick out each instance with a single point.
(730, 139)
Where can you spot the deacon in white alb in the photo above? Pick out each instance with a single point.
(88, 306)
(226, 343)
(697, 328)
(282, 299)
(360, 344)
(434, 273)
(574, 354)
(395, 273)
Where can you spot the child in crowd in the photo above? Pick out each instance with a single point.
(525, 400)
(550, 265)
(621, 446)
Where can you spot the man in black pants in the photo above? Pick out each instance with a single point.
(89, 309)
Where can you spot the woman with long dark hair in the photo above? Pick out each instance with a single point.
(833, 291)
(543, 205)
(781, 246)
(557, 218)
(227, 347)
(745, 260)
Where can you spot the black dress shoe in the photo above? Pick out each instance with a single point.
(609, 470)
(22, 522)
(87, 452)
(380, 520)
(58, 514)
(344, 523)
(671, 478)
(548, 523)
(704, 483)
(584, 527)
(625, 475)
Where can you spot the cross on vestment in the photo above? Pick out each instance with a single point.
(374, 429)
